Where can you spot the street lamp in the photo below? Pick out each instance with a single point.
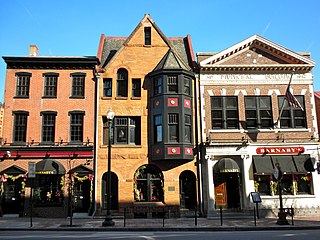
(282, 220)
(108, 219)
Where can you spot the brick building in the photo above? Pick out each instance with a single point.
(48, 120)
(1, 120)
(249, 127)
(147, 80)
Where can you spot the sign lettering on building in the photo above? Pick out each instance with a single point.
(280, 150)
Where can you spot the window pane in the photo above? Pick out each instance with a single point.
(76, 127)
(172, 84)
(20, 127)
(50, 85)
(107, 87)
(136, 87)
(122, 83)
(231, 102)
(23, 82)
(48, 127)
(77, 85)
(250, 102)
(147, 35)
(121, 134)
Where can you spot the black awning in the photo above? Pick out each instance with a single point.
(304, 163)
(49, 166)
(285, 162)
(13, 170)
(263, 164)
(226, 165)
(81, 170)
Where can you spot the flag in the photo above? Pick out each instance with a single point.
(292, 100)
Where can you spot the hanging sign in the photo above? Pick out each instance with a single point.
(31, 169)
(280, 150)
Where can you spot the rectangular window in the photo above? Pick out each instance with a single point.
(292, 117)
(157, 85)
(157, 128)
(173, 122)
(50, 85)
(136, 87)
(187, 86)
(172, 84)
(107, 87)
(23, 84)
(77, 85)
(126, 130)
(20, 127)
(258, 112)
(147, 36)
(122, 83)
(224, 112)
(48, 127)
(76, 127)
(187, 128)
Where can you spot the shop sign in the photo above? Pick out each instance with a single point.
(45, 172)
(280, 150)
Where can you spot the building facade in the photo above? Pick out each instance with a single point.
(1, 120)
(257, 111)
(48, 134)
(147, 80)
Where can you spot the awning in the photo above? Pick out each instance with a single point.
(226, 165)
(263, 164)
(49, 166)
(304, 163)
(285, 162)
(81, 170)
(13, 170)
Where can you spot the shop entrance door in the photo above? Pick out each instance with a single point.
(227, 192)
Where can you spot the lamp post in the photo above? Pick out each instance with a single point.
(282, 220)
(108, 219)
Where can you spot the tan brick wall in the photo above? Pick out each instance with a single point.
(139, 60)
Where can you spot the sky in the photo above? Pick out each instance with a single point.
(74, 27)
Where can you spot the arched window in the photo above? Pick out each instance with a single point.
(148, 184)
(122, 83)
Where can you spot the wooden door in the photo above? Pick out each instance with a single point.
(220, 192)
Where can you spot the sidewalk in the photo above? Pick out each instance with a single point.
(155, 224)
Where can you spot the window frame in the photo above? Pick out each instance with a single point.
(147, 36)
(173, 128)
(290, 114)
(20, 126)
(48, 127)
(23, 84)
(136, 88)
(224, 110)
(122, 83)
(107, 87)
(50, 85)
(158, 129)
(173, 86)
(157, 85)
(259, 112)
(76, 126)
(78, 85)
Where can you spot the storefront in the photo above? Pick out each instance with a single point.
(251, 168)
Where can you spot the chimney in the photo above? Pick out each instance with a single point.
(33, 51)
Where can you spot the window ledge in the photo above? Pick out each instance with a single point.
(121, 98)
(288, 196)
(121, 146)
(273, 130)
(135, 98)
(106, 98)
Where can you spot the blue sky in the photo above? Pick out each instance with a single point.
(73, 27)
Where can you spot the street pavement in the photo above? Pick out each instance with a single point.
(156, 224)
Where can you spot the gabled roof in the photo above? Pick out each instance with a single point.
(282, 55)
(109, 47)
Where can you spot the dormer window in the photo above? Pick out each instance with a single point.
(147, 36)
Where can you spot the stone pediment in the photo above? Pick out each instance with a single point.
(257, 52)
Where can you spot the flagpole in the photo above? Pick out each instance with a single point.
(284, 99)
